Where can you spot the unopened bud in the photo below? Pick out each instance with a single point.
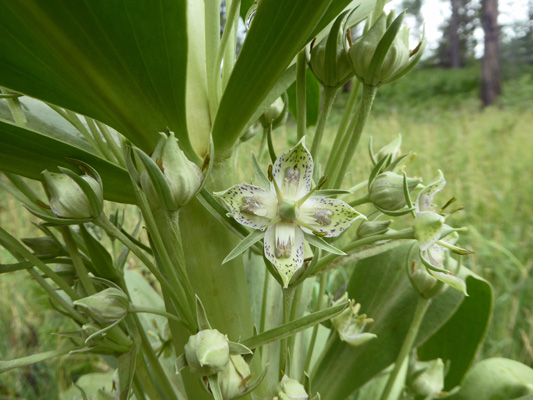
(291, 389)
(370, 228)
(386, 191)
(207, 352)
(183, 177)
(105, 307)
(394, 62)
(67, 199)
(274, 114)
(329, 61)
(430, 382)
(232, 379)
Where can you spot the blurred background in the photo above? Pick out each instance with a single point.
(467, 109)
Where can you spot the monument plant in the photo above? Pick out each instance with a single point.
(197, 271)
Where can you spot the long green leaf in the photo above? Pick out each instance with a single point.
(278, 32)
(34, 358)
(293, 327)
(27, 152)
(120, 62)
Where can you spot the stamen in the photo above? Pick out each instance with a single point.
(276, 187)
(272, 222)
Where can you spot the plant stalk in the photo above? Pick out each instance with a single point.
(420, 311)
(329, 99)
(301, 109)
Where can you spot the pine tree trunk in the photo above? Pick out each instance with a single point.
(455, 57)
(490, 66)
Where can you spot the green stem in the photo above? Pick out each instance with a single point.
(104, 148)
(361, 200)
(150, 310)
(294, 315)
(301, 110)
(79, 266)
(369, 93)
(330, 258)
(288, 297)
(329, 99)
(228, 29)
(212, 40)
(177, 296)
(264, 302)
(343, 126)
(420, 311)
(271, 151)
(153, 362)
(311, 348)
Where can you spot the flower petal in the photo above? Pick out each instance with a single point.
(284, 248)
(427, 228)
(450, 280)
(293, 171)
(328, 216)
(250, 205)
(425, 197)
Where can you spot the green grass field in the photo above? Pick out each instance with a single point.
(484, 154)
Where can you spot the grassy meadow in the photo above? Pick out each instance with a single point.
(486, 157)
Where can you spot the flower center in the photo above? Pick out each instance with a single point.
(288, 210)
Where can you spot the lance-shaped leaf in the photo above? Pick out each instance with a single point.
(122, 63)
(278, 32)
(27, 152)
(7, 365)
(294, 327)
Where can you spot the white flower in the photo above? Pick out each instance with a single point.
(435, 237)
(288, 210)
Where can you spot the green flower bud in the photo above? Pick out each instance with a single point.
(370, 228)
(392, 148)
(430, 381)
(183, 177)
(273, 112)
(350, 325)
(395, 61)
(329, 61)
(207, 352)
(425, 284)
(232, 379)
(291, 389)
(386, 191)
(105, 307)
(44, 246)
(67, 199)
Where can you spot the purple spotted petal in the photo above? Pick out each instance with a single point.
(284, 248)
(250, 205)
(293, 171)
(329, 216)
(425, 197)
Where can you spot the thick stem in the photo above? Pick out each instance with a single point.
(420, 311)
(301, 110)
(311, 348)
(329, 99)
(206, 243)
(288, 297)
(228, 29)
(369, 93)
